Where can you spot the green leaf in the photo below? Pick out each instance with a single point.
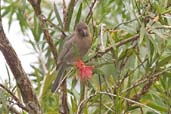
(78, 15)
(8, 73)
(36, 30)
(74, 105)
(69, 13)
(4, 102)
(164, 61)
(58, 15)
(22, 21)
(158, 107)
(10, 18)
(74, 82)
(142, 34)
(47, 82)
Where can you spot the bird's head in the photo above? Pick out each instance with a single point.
(82, 29)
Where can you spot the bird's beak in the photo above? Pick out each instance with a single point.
(84, 32)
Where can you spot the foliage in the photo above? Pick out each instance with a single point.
(129, 77)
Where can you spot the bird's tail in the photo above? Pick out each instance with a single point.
(61, 71)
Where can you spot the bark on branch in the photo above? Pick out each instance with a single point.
(21, 78)
(37, 9)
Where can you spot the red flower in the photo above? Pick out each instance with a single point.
(79, 63)
(84, 72)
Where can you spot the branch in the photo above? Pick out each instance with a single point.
(80, 106)
(163, 27)
(55, 26)
(148, 83)
(68, 14)
(144, 80)
(48, 37)
(112, 95)
(118, 44)
(129, 100)
(36, 6)
(90, 13)
(126, 22)
(21, 78)
(15, 98)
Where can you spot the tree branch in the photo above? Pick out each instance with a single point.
(90, 13)
(148, 82)
(36, 6)
(118, 44)
(48, 37)
(37, 9)
(21, 78)
(151, 77)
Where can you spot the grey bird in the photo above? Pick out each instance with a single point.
(75, 47)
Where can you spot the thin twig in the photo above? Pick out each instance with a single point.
(109, 109)
(100, 83)
(147, 85)
(80, 106)
(126, 22)
(64, 13)
(52, 24)
(114, 95)
(143, 80)
(15, 98)
(90, 13)
(163, 27)
(118, 44)
(36, 6)
(129, 100)
(48, 37)
(127, 74)
(63, 79)
(82, 94)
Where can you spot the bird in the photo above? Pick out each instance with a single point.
(74, 48)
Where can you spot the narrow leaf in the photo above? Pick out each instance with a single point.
(58, 15)
(142, 34)
(69, 13)
(78, 15)
(164, 61)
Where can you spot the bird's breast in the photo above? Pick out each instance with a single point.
(83, 45)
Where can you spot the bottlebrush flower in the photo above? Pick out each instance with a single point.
(84, 72)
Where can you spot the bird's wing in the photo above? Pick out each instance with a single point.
(61, 67)
(67, 46)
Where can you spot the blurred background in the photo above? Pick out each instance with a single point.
(130, 53)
